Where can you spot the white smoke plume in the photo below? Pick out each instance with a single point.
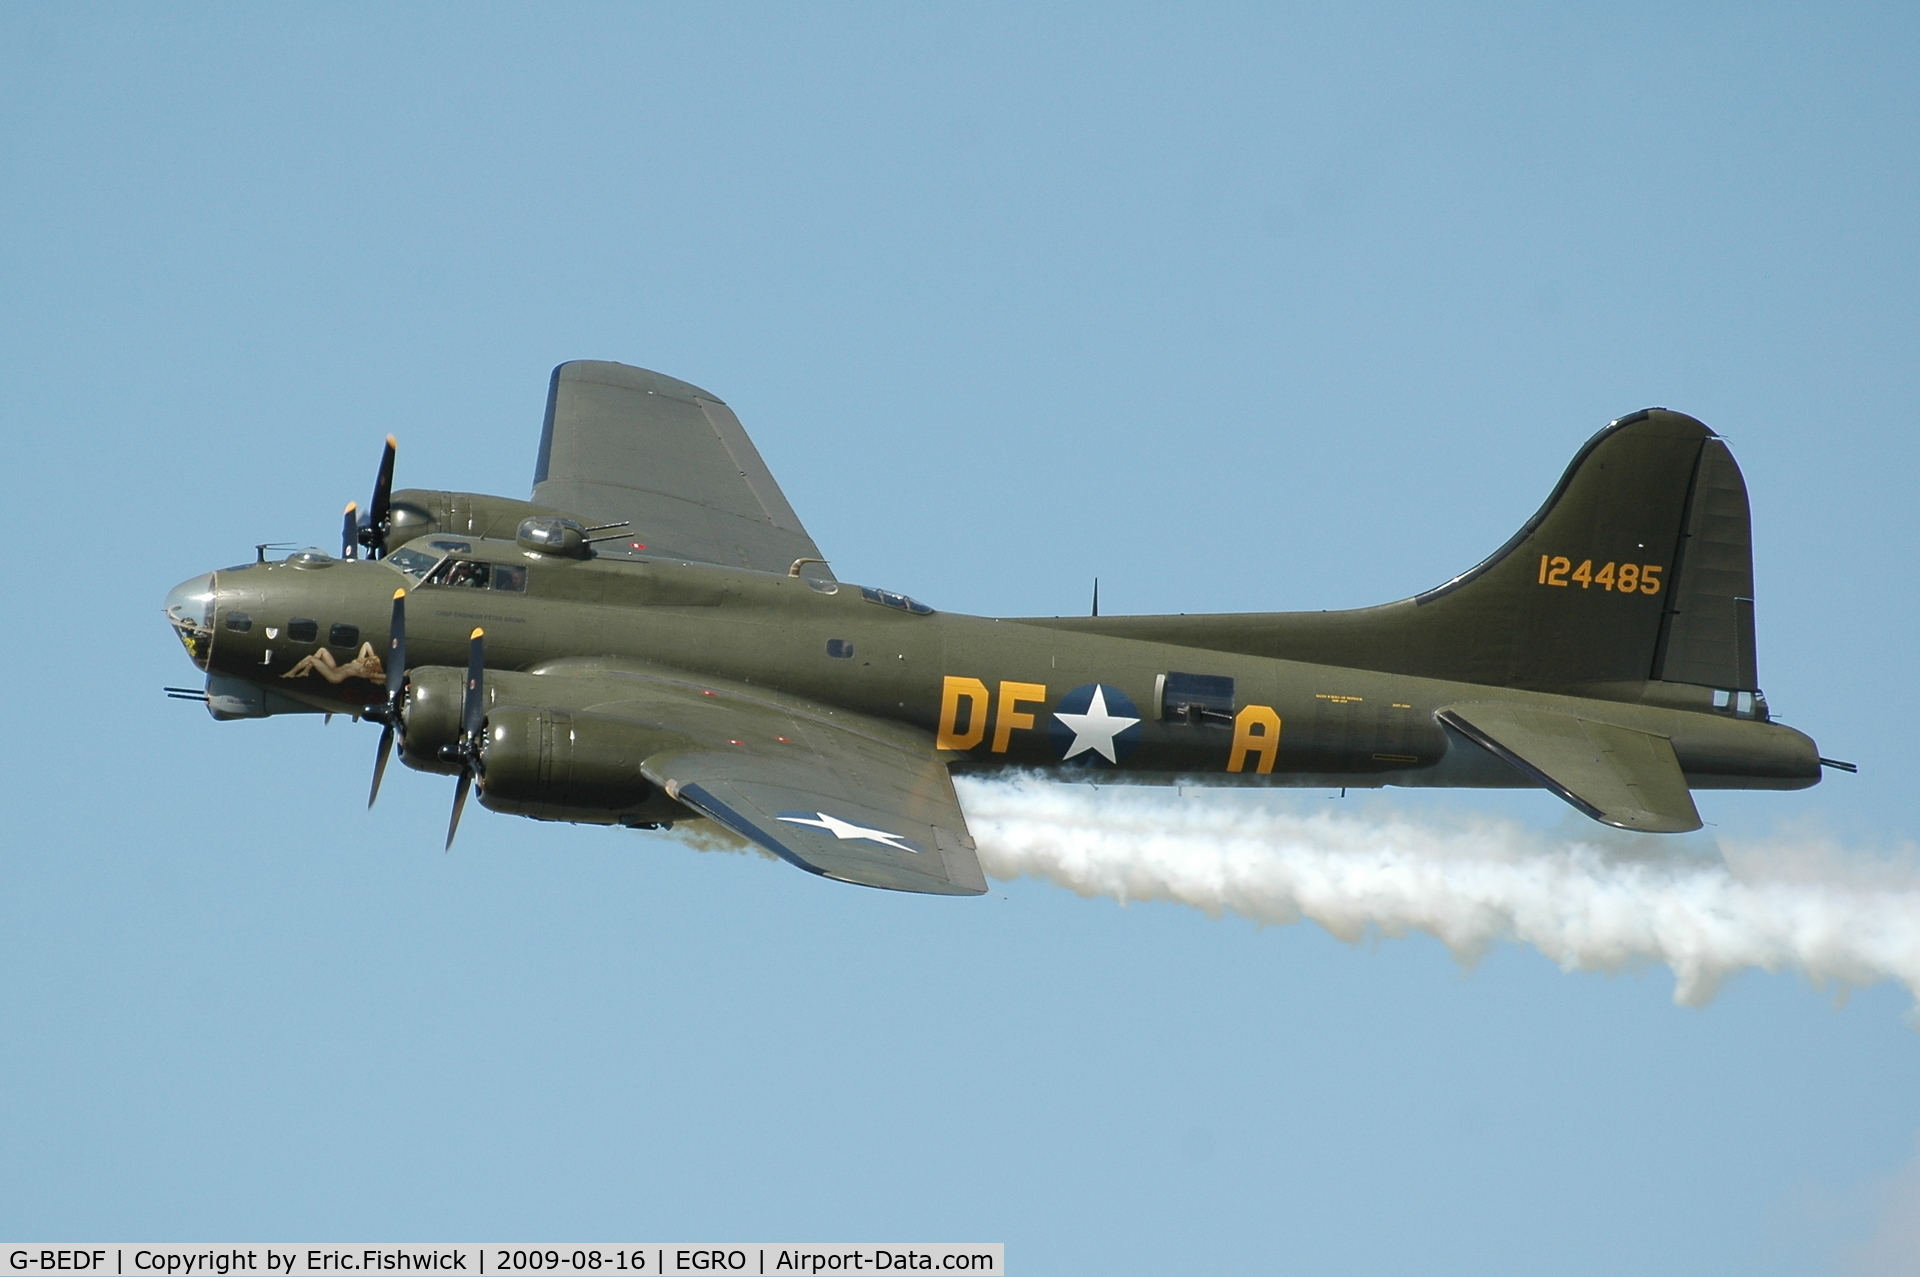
(1589, 901)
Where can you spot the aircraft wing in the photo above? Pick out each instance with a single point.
(834, 792)
(624, 443)
(1618, 776)
(880, 819)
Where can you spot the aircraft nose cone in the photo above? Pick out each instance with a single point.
(190, 612)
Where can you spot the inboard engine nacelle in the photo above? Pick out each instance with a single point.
(568, 759)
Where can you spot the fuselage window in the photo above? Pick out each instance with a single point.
(887, 598)
(301, 630)
(1196, 698)
(343, 636)
(840, 649)
(239, 621)
(509, 578)
(1739, 704)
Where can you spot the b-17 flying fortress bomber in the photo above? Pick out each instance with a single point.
(654, 638)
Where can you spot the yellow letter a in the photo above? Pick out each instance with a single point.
(1265, 742)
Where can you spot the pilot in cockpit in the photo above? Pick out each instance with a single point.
(461, 572)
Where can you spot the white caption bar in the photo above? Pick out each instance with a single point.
(471, 1259)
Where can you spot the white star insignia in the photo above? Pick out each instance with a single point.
(1095, 729)
(845, 829)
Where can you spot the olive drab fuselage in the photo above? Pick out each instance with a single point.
(987, 691)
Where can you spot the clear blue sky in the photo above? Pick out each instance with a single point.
(1236, 308)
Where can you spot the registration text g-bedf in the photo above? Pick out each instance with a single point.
(57, 1261)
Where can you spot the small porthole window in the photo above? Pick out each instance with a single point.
(344, 636)
(239, 621)
(840, 649)
(301, 630)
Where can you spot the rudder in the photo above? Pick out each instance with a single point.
(1707, 633)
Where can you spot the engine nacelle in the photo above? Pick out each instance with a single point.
(430, 717)
(560, 764)
(430, 711)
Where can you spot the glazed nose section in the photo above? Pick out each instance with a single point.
(190, 612)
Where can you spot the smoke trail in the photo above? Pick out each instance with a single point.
(1588, 902)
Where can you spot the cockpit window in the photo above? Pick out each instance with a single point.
(452, 547)
(479, 576)
(415, 563)
(461, 572)
(887, 598)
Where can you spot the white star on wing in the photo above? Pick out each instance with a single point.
(1095, 729)
(845, 829)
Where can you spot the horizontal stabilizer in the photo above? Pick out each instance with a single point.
(1620, 777)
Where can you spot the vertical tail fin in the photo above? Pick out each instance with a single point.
(1639, 566)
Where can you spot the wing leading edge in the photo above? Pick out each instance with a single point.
(624, 443)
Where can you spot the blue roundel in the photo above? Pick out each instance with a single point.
(1095, 726)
